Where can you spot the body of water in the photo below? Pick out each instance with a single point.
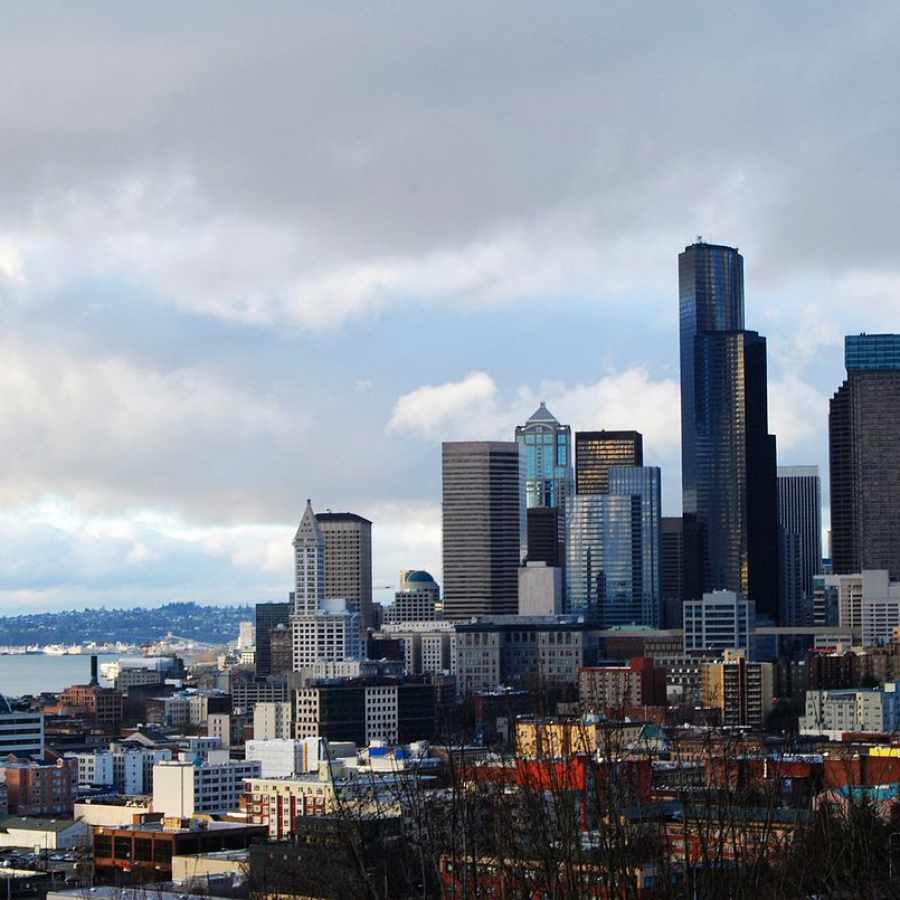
(31, 674)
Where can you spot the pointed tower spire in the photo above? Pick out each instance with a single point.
(309, 564)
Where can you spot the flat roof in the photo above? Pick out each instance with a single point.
(21, 823)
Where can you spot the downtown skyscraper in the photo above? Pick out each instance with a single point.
(483, 513)
(864, 457)
(729, 493)
(800, 538)
(549, 483)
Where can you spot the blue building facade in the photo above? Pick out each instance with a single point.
(612, 550)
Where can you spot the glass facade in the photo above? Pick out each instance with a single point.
(872, 351)
(612, 550)
(645, 484)
(547, 448)
(728, 456)
(596, 451)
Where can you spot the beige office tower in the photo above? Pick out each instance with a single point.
(348, 560)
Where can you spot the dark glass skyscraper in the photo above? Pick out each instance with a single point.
(728, 456)
(800, 534)
(864, 453)
(596, 451)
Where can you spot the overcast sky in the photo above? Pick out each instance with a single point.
(254, 253)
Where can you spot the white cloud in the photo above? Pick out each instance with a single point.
(446, 410)
(474, 409)
(798, 415)
(109, 432)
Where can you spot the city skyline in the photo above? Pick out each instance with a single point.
(211, 310)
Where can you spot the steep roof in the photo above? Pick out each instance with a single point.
(308, 529)
(542, 414)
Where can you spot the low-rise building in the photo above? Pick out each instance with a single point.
(719, 621)
(47, 834)
(284, 758)
(833, 713)
(143, 852)
(522, 651)
(103, 706)
(741, 690)
(34, 789)
(366, 710)
(273, 721)
(183, 788)
(636, 683)
(21, 731)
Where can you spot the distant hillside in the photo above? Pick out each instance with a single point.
(211, 624)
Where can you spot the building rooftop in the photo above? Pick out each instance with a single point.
(542, 414)
(341, 517)
(21, 823)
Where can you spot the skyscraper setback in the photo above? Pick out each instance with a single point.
(348, 559)
(728, 456)
(483, 527)
(596, 451)
(864, 457)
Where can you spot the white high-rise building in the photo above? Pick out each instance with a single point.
(309, 564)
(323, 629)
(246, 635)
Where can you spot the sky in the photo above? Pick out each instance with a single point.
(257, 253)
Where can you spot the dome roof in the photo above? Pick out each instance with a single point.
(419, 575)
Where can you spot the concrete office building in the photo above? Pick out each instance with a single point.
(365, 711)
(21, 731)
(273, 721)
(729, 491)
(417, 600)
(718, 621)
(540, 590)
(284, 758)
(183, 788)
(864, 457)
(348, 560)
(833, 713)
(800, 533)
(484, 524)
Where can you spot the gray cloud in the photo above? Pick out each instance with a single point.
(220, 221)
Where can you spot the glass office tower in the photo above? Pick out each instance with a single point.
(728, 456)
(548, 459)
(612, 550)
(547, 451)
(597, 451)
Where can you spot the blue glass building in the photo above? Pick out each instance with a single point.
(728, 456)
(549, 482)
(548, 459)
(873, 352)
(612, 550)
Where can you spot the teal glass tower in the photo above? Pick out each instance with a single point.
(548, 459)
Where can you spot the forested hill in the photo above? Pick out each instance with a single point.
(210, 624)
